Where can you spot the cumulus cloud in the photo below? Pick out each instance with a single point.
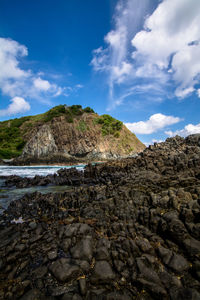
(187, 130)
(9, 52)
(17, 105)
(166, 51)
(170, 42)
(41, 84)
(153, 124)
(12, 77)
(18, 82)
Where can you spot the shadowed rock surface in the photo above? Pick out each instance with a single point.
(127, 229)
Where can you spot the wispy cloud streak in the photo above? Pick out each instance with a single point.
(114, 59)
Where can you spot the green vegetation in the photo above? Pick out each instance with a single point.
(82, 126)
(54, 112)
(117, 134)
(110, 126)
(20, 145)
(130, 149)
(125, 142)
(7, 154)
(29, 125)
(69, 116)
(70, 112)
(18, 122)
(76, 110)
(11, 139)
(14, 133)
(88, 110)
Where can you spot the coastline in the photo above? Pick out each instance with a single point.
(47, 163)
(126, 229)
(55, 164)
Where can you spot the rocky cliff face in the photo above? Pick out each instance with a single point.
(81, 140)
(41, 144)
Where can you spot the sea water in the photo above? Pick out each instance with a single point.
(8, 195)
(31, 171)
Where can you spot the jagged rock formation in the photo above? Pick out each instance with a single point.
(41, 144)
(72, 134)
(127, 229)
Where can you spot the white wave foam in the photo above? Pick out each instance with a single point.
(31, 171)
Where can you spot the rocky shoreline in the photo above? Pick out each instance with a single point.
(127, 229)
(58, 161)
(51, 161)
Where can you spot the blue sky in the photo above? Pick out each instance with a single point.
(138, 60)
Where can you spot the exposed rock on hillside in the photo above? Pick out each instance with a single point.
(127, 229)
(70, 134)
(41, 144)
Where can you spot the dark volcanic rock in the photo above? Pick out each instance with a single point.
(102, 272)
(35, 294)
(178, 263)
(63, 270)
(127, 229)
(83, 249)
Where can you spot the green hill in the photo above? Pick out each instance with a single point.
(84, 123)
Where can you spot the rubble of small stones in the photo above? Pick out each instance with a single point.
(127, 229)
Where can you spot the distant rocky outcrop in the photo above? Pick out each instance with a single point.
(70, 135)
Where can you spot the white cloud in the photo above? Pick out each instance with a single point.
(12, 77)
(79, 86)
(59, 91)
(141, 89)
(17, 105)
(120, 73)
(17, 82)
(100, 60)
(152, 142)
(187, 130)
(42, 85)
(45, 87)
(153, 124)
(198, 93)
(9, 65)
(170, 44)
(165, 52)
(181, 93)
(114, 59)
(157, 141)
